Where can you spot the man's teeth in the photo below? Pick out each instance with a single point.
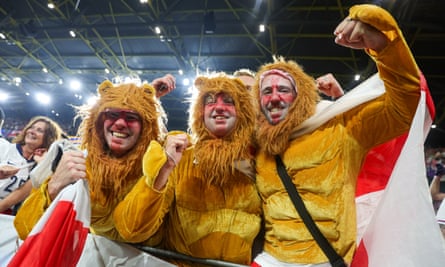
(274, 110)
(120, 135)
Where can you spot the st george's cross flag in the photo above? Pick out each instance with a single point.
(59, 236)
(395, 217)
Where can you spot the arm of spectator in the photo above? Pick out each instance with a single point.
(139, 216)
(16, 196)
(174, 147)
(435, 189)
(70, 169)
(164, 85)
(328, 85)
(7, 171)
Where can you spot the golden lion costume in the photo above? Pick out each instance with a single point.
(210, 207)
(324, 163)
(109, 178)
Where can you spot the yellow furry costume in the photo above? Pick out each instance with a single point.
(209, 208)
(109, 178)
(324, 163)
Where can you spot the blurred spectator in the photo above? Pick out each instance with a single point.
(247, 76)
(19, 157)
(436, 193)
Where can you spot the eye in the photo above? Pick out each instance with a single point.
(228, 100)
(284, 89)
(37, 129)
(209, 99)
(113, 115)
(132, 117)
(266, 91)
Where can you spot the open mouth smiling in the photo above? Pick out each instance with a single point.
(119, 135)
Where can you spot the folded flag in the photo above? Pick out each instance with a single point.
(59, 236)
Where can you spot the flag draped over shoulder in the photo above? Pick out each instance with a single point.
(59, 236)
(395, 217)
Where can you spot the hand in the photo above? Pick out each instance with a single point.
(358, 35)
(70, 169)
(329, 86)
(164, 85)
(175, 146)
(39, 154)
(7, 171)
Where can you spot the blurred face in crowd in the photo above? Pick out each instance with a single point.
(122, 129)
(219, 114)
(35, 134)
(277, 94)
(248, 81)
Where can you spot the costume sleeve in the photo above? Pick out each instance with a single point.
(141, 213)
(401, 76)
(32, 209)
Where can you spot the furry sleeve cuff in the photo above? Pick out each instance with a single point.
(377, 17)
(154, 159)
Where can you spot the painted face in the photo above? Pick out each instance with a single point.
(248, 81)
(35, 134)
(219, 114)
(277, 94)
(122, 129)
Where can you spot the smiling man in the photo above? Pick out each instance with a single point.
(201, 197)
(277, 93)
(219, 114)
(116, 132)
(122, 129)
(323, 160)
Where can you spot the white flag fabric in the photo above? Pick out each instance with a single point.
(9, 240)
(396, 220)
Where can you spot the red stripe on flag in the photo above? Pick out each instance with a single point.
(60, 243)
(378, 166)
(381, 160)
(360, 257)
(428, 98)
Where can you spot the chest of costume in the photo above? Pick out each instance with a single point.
(233, 208)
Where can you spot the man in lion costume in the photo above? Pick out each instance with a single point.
(115, 134)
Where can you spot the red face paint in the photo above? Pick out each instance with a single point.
(276, 93)
(219, 114)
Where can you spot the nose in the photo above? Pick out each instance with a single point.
(120, 122)
(220, 106)
(275, 96)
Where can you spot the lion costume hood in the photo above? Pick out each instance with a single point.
(109, 175)
(274, 139)
(235, 150)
